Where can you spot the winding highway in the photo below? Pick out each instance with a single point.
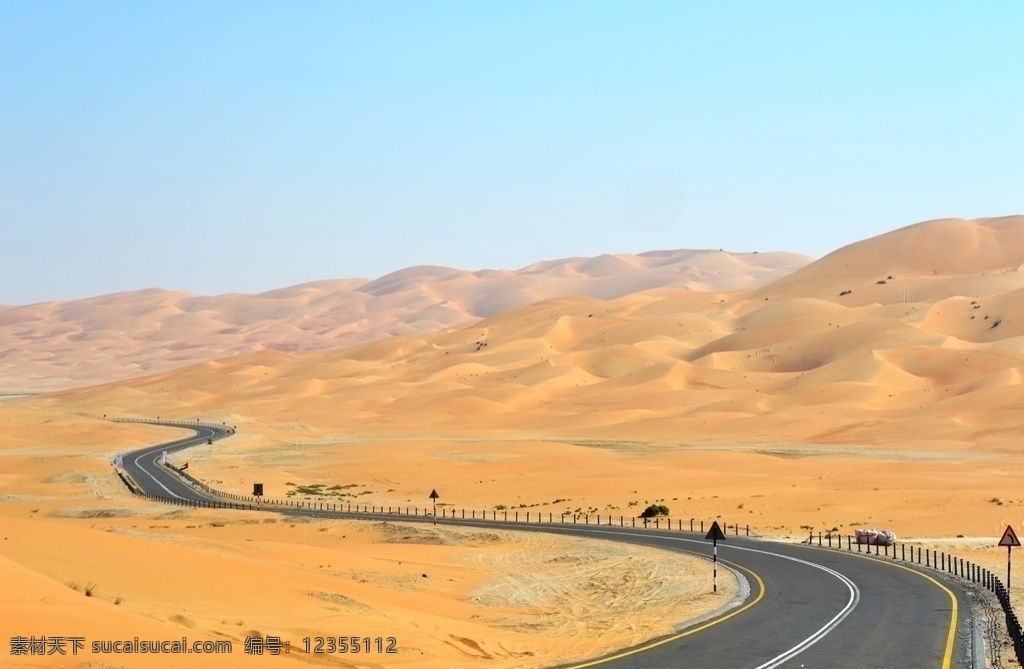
(807, 607)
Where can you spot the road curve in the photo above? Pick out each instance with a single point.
(808, 607)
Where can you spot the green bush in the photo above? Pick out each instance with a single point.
(655, 510)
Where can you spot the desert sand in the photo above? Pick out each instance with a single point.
(879, 386)
(81, 557)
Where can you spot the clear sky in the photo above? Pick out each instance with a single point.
(243, 146)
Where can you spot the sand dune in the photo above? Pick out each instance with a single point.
(63, 344)
(670, 356)
(908, 352)
(878, 386)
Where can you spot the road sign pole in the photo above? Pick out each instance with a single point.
(433, 498)
(1009, 539)
(714, 546)
(715, 533)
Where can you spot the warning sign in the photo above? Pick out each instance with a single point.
(715, 532)
(1009, 538)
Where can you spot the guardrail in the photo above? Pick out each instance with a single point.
(181, 423)
(505, 515)
(938, 561)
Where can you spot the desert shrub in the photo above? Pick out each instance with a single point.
(655, 510)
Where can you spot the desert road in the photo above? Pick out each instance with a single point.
(808, 607)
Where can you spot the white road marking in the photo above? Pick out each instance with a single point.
(828, 627)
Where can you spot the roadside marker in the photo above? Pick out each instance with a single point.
(1009, 540)
(433, 497)
(715, 533)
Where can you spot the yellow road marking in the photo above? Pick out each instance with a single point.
(676, 637)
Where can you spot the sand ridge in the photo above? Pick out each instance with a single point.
(790, 362)
(62, 344)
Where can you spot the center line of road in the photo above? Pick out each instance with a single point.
(146, 471)
(153, 453)
(828, 627)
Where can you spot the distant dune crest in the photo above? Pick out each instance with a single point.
(60, 344)
(929, 251)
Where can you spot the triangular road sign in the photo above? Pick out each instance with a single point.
(434, 495)
(716, 532)
(1009, 538)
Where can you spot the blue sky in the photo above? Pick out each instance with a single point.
(244, 146)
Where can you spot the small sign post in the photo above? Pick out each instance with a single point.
(1009, 540)
(715, 533)
(433, 498)
(257, 492)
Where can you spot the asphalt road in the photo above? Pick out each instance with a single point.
(808, 607)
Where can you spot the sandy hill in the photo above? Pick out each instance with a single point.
(877, 387)
(60, 344)
(913, 335)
